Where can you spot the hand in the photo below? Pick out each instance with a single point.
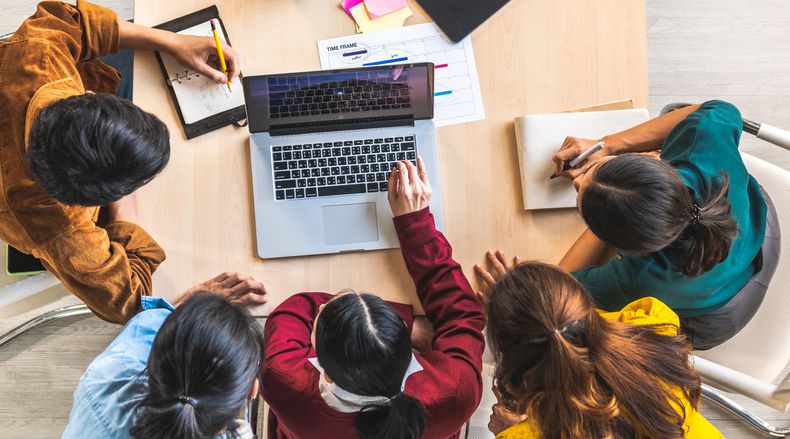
(239, 289)
(408, 188)
(200, 55)
(124, 209)
(573, 147)
(500, 266)
(501, 418)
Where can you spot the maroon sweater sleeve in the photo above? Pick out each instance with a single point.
(448, 300)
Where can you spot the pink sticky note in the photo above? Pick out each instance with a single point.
(377, 8)
(348, 4)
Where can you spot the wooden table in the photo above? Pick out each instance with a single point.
(534, 56)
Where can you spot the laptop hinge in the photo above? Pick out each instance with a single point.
(319, 127)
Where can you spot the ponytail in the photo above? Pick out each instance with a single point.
(201, 369)
(639, 204)
(402, 418)
(707, 239)
(573, 373)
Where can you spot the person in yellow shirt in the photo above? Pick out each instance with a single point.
(567, 370)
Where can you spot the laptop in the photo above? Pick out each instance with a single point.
(322, 147)
(458, 18)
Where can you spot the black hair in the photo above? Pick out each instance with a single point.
(640, 204)
(201, 369)
(365, 348)
(94, 149)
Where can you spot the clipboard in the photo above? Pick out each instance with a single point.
(215, 121)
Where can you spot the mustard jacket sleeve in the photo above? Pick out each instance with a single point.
(82, 32)
(109, 269)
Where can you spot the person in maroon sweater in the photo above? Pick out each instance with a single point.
(341, 366)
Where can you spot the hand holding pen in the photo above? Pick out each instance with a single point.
(576, 155)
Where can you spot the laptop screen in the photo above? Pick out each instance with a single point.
(339, 97)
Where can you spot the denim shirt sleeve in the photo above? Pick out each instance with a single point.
(115, 381)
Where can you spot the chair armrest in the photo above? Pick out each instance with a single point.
(731, 380)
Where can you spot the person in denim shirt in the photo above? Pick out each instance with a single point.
(184, 371)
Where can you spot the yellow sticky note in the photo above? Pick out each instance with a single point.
(389, 21)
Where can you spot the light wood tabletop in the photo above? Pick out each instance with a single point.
(534, 56)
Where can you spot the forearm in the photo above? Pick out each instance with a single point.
(586, 252)
(648, 136)
(134, 36)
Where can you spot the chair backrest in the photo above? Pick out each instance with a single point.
(762, 348)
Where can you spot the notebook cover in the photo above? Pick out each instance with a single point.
(540, 136)
(218, 120)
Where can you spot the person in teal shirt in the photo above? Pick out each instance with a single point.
(688, 226)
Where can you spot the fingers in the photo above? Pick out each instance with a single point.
(414, 176)
(251, 299)
(233, 279)
(392, 184)
(204, 69)
(248, 285)
(403, 177)
(485, 276)
(422, 171)
(232, 61)
(495, 261)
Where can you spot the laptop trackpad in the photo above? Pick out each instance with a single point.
(350, 223)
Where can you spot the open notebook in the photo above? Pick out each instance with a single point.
(202, 104)
(539, 136)
(198, 96)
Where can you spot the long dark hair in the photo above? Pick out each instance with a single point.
(576, 374)
(638, 203)
(365, 348)
(201, 369)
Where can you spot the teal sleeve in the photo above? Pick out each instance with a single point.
(608, 284)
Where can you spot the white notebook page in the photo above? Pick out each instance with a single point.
(199, 96)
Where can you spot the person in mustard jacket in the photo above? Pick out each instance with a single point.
(567, 370)
(68, 146)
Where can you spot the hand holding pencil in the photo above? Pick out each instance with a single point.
(200, 54)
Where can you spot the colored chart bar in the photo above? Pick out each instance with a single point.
(440, 66)
(358, 52)
(442, 93)
(388, 61)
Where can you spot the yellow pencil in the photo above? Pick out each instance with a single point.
(219, 51)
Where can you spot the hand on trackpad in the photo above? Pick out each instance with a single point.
(350, 223)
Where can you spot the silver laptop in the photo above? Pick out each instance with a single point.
(322, 147)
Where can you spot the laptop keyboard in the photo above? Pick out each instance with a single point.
(338, 168)
(296, 96)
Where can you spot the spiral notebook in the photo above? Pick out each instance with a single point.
(202, 104)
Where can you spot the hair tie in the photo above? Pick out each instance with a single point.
(187, 400)
(696, 213)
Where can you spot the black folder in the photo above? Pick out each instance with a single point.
(219, 120)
